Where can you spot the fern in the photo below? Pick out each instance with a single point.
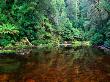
(8, 29)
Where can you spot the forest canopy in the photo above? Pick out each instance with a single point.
(49, 22)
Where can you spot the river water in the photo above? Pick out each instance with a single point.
(57, 65)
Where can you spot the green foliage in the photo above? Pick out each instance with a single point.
(8, 29)
(66, 26)
(68, 32)
(45, 22)
(4, 42)
(104, 4)
(8, 33)
(3, 18)
(89, 33)
(107, 43)
(37, 42)
(76, 44)
(23, 19)
(106, 31)
(97, 39)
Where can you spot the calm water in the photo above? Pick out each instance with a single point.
(57, 65)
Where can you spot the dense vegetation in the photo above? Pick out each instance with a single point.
(49, 22)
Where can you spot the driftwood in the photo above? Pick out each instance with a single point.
(66, 44)
(26, 41)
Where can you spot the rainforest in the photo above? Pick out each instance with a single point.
(50, 22)
(54, 41)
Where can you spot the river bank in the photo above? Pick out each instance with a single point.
(26, 49)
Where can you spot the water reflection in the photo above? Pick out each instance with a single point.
(60, 65)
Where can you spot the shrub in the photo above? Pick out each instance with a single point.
(97, 39)
(8, 32)
(107, 43)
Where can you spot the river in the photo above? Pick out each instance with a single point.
(57, 65)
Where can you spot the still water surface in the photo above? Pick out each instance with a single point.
(57, 65)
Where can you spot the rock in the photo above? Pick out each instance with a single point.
(0, 47)
(102, 47)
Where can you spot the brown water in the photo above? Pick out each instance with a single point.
(58, 65)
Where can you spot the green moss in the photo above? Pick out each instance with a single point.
(7, 51)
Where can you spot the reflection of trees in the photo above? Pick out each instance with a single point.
(58, 65)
